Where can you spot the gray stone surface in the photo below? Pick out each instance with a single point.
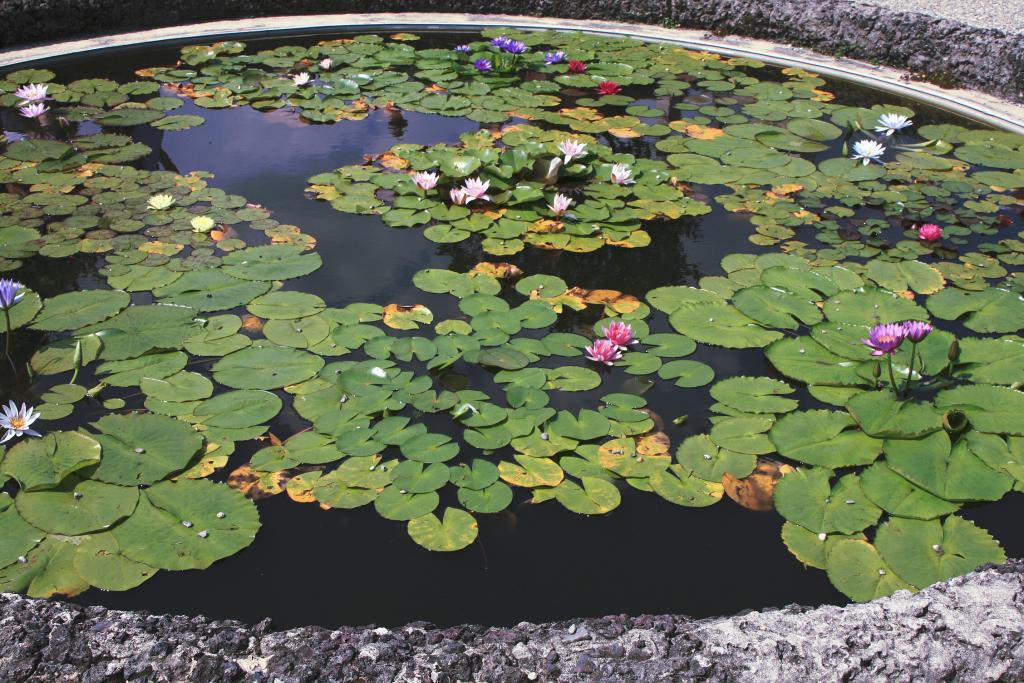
(968, 629)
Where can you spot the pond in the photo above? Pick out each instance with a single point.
(347, 329)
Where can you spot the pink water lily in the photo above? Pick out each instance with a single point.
(33, 92)
(572, 149)
(476, 189)
(603, 351)
(34, 110)
(560, 204)
(459, 196)
(622, 175)
(929, 232)
(620, 334)
(425, 180)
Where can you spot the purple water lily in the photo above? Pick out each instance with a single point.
(500, 42)
(885, 339)
(483, 65)
(464, 49)
(516, 47)
(11, 292)
(916, 331)
(556, 57)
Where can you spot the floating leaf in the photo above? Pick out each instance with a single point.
(457, 531)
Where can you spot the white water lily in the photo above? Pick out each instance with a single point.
(560, 204)
(300, 79)
(892, 123)
(326, 63)
(202, 224)
(159, 202)
(17, 421)
(378, 372)
(868, 151)
(622, 175)
(572, 149)
(33, 92)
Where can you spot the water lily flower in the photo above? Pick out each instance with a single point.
(465, 49)
(202, 224)
(17, 421)
(929, 232)
(560, 204)
(476, 189)
(500, 42)
(577, 67)
(33, 92)
(300, 79)
(483, 65)
(916, 331)
(556, 57)
(609, 88)
(603, 351)
(622, 175)
(159, 202)
(425, 181)
(892, 123)
(459, 196)
(868, 151)
(378, 372)
(620, 334)
(572, 149)
(326, 63)
(515, 47)
(34, 110)
(885, 339)
(11, 292)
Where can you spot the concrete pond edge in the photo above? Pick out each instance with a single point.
(970, 628)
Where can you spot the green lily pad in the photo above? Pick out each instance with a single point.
(595, 497)
(926, 552)
(804, 497)
(77, 506)
(266, 367)
(143, 449)
(856, 569)
(77, 309)
(220, 522)
(270, 262)
(825, 438)
(100, 561)
(457, 531)
(43, 463)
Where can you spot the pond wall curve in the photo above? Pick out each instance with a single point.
(942, 49)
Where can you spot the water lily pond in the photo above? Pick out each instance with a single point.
(500, 326)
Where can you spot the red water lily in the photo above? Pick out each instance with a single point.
(609, 88)
(576, 66)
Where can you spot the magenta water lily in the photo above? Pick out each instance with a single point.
(885, 339)
(603, 351)
(621, 334)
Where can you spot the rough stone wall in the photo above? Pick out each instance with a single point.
(968, 629)
(947, 51)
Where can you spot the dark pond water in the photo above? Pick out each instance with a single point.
(531, 562)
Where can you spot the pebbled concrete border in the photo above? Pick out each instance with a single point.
(968, 629)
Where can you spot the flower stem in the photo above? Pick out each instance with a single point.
(7, 339)
(892, 378)
(910, 370)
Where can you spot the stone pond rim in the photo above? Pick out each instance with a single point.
(944, 50)
(966, 629)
